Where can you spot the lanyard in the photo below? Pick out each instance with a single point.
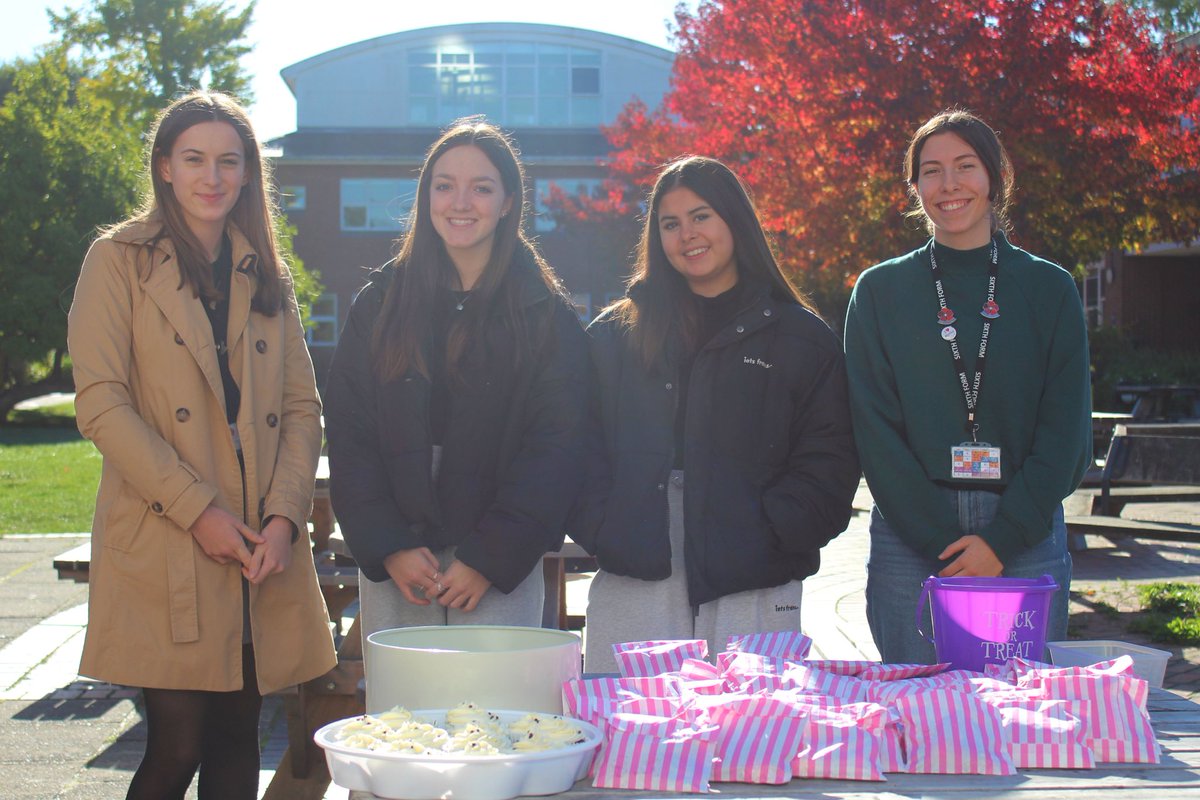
(946, 318)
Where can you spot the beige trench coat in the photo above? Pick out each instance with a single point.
(161, 613)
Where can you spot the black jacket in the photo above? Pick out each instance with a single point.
(771, 466)
(511, 457)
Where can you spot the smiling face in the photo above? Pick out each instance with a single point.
(206, 170)
(697, 242)
(953, 187)
(466, 201)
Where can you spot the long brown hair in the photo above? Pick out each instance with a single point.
(253, 213)
(661, 311)
(986, 144)
(422, 265)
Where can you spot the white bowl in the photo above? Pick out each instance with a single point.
(407, 776)
(1149, 664)
(492, 666)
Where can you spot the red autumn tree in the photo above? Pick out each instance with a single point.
(812, 104)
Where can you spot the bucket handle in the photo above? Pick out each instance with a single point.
(921, 603)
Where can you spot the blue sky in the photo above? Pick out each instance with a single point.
(287, 31)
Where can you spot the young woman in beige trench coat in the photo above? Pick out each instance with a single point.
(203, 590)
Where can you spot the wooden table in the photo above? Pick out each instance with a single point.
(1176, 723)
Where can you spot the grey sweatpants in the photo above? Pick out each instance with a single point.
(622, 609)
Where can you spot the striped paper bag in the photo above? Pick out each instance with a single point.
(646, 659)
(1042, 733)
(757, 738)
(652, 753)
(947, 731)
(842, 742)
(845, 687)
(1116, 728)
(840, 666)
(793, 645)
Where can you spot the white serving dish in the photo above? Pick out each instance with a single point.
(492, 666)
(1149, 664)
(454, 776)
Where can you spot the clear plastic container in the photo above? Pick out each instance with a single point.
(1149, 664)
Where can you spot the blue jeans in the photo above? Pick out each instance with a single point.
(896, 571)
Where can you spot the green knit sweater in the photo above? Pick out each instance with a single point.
(908, 406)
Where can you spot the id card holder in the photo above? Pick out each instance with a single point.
(975, 461)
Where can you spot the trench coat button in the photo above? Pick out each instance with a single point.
(261, 345)
(766, 312)
(182, 414)
(272, 420)
(178, 339)
(670, 386)
(156, 507)
(741, 329)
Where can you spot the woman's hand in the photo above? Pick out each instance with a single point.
(974, 557)
(275, 554)
(415, 569)
(223, 537)
(464, 587)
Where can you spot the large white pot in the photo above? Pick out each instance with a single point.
(493, 666)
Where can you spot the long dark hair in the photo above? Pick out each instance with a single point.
(423, 265)
(986, 144)
(661, 311)
(253, 213)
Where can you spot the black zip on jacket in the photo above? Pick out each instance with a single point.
(511, 457)
(771, 463)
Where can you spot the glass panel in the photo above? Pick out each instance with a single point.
(585, 80)
(521, 111)
(422, 110)
(293, 198)
(585, 58)
(324, 306)
(456, 58)
(520, 81)
(585, 111)
(552, 80)
(354, 218)
(422, 80)
(323, 333)
(422, 57)
(553, 111)
(516, 53)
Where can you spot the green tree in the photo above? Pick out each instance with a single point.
(65, 167)
(1181, 17)
(156, 49)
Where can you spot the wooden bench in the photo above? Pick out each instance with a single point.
(1145, 464)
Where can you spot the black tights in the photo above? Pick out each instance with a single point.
(215, 731)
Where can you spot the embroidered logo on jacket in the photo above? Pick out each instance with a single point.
(757, 362)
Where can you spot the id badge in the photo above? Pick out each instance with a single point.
(975, 461)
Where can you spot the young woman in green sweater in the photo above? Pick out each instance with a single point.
(968, 475)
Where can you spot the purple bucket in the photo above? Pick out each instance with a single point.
(979, 621)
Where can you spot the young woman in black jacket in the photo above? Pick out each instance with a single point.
(455, 402)
(713, 365)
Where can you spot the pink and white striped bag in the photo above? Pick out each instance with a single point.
(594, 700)
(655, 754)
(841, 667)
(947, 731)
(893, 758)
(778, 644)
(804, 678)
(650, 658)
(842, 742)
(895, 672)
(757, 738)
(1115, 727)
(1042, 733)
(695, 669)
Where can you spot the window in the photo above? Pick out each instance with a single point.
(542, 220)
(323, 315)
(376, 204)
(293, 198)
(512, 83)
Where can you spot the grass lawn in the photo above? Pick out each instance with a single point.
(48, 475)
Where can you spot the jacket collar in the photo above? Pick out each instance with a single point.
(532, 289)
(180, 307)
